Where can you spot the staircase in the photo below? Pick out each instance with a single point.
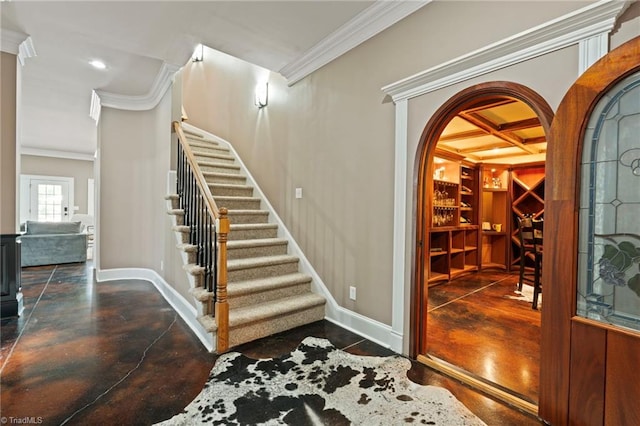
(266, 292)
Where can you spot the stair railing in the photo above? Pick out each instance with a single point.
(208, 229)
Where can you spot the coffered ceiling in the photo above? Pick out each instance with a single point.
(498, 130)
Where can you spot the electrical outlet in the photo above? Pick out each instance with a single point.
(352, 293)
(162, 266)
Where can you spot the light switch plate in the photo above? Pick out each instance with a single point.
(298, 192)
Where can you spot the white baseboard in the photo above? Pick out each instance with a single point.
(186, 311)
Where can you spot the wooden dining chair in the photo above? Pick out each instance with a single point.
(527, 249)
(538, 226)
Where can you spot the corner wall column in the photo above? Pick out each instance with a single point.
(591, 49)
(399, 226)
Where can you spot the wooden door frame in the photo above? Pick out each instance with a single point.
(423, 176)
(564, 153)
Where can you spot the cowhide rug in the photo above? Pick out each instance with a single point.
(318, 384)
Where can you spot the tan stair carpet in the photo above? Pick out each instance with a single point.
(266, 291)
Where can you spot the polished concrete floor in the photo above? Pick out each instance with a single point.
(475, 325)
(87, 353)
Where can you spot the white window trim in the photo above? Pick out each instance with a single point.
(25, 192)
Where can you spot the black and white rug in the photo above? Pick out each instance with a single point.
(318, 384)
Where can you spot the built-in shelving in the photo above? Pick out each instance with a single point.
(453, 251)
(454, 238)
(527, 194)
(494, 217)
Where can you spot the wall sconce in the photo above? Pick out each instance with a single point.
(198, 53)
(262, 95)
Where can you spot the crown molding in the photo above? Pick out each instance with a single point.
(368, 23)
(567, 30)
(140, 102)
(10, 41)
(95, 108)
(70, 155)
(26, 50)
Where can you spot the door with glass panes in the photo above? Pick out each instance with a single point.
(590, 358)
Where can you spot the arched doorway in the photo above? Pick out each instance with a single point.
(476, 97)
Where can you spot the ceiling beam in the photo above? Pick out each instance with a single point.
(468, 134)
(520, 125)
(492, 129)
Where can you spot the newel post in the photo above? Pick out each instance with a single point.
(222, 305)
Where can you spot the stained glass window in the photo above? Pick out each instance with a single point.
(609, 241)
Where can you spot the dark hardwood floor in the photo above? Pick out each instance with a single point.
(87, 353)
(474, 325)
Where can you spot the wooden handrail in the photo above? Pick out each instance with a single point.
(200, 180)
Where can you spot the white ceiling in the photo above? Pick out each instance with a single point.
(135, 40)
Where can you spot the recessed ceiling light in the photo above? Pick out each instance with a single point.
(98, 64)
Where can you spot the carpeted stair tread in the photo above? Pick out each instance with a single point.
(230, 190)
(186, 247)
(259, 242)
(273, 309)
(248, 216)
(202, 143)
(248, 231)
(240, 288)
(231, 168)
(233, 202)
(256, 247)
(200, 151)
(229, 178)
(218, 157)
(193, 269)
(208, 322)
(176, 212)
(256, 262)
(201, 294)
(247, 226)
(192, 133)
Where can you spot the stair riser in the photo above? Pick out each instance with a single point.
(191, 256)
(252, 234)
(268, 296)
(233, 180)
(175, 203)
(261, 251)
(248, 218)
(217, 168)
(179, 219)
(239, 204)
(253, 331)
(262, 271)
(211, 149)
(226, 191)
(215, 158)
(183, 236)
